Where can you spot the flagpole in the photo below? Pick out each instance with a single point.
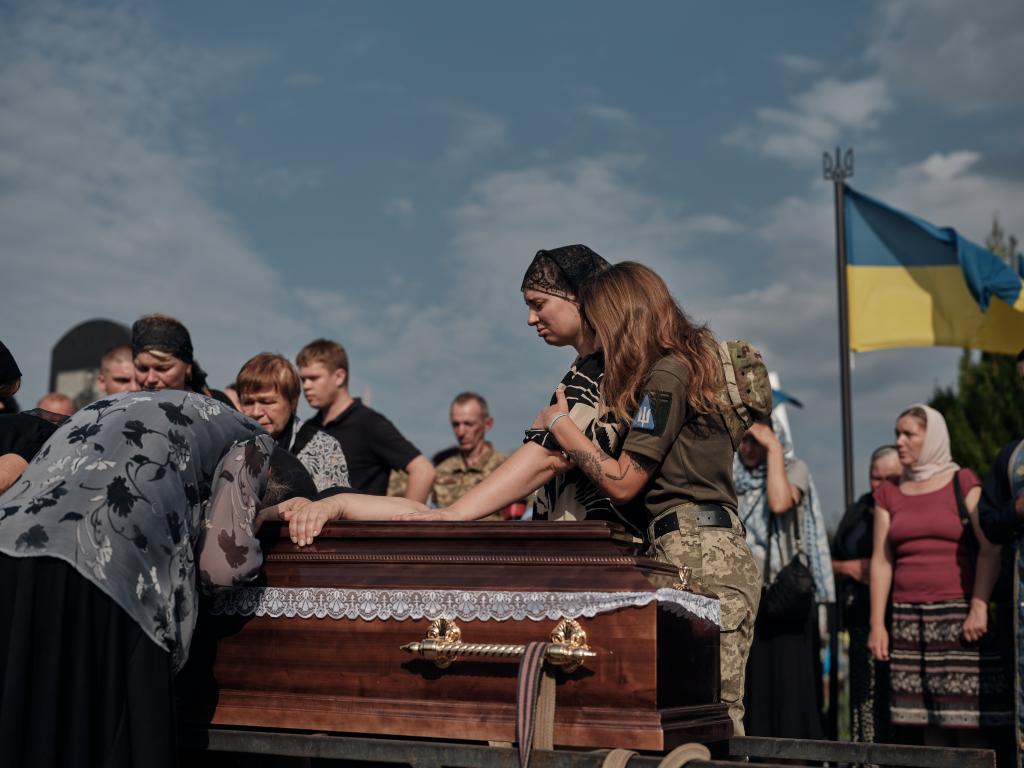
(837, 170)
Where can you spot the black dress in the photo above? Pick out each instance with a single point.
(782, 690)
(103, 539)
(784, 658)
(85, 672)
(869, 682)
(25, 433)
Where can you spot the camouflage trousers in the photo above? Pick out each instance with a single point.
(720, 563)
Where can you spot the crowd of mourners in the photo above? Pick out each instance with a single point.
(116, 515)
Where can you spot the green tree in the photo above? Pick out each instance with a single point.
(986, 408)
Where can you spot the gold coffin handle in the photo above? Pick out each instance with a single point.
(443, 645)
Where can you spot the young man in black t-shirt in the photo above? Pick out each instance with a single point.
(372, 445)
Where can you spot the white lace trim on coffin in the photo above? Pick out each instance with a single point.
(401, 604)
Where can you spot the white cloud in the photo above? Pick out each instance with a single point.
(943, 168)
(949, 190)
(818, 117)
(400, 207)
(477, 134)
(801, 65)
(853, 105)
(590, 200)
(963, 56)
(609, 114)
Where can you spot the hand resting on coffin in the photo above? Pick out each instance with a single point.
(522, 473)
(307, 518)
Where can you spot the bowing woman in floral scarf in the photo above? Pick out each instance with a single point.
(779, 506)
(102, 541)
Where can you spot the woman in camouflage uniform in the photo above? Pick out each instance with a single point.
(664, 380)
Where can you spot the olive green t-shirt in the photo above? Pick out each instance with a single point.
(693, 450)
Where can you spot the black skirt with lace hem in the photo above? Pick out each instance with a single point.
(80, 683)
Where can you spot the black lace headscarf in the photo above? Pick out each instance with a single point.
(561, 271)
(160, 333)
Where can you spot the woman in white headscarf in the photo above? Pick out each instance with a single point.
(929, 549)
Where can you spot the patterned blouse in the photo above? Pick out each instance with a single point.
(571, 495)
(131, 490)
(322, 457)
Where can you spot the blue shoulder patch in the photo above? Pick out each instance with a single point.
(644, 418)
(653, 412)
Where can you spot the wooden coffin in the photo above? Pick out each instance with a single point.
(318, 643)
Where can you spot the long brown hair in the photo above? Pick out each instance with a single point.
(638, 323)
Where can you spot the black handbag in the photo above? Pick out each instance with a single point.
(790, 596)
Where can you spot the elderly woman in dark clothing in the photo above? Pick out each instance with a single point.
(103, 539)
(268, 389)
(851, 563)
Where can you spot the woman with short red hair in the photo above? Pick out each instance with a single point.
(268, 388)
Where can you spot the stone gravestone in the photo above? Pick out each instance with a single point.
(75, 359)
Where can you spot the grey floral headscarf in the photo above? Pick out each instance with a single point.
(140, 493)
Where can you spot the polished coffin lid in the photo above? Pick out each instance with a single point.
(317, 643)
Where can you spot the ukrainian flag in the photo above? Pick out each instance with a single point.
(912, 284)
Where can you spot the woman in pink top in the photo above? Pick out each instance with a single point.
(945, 671)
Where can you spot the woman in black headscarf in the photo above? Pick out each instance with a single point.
(163, 357)
(551, 289)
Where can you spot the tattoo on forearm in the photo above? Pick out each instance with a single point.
(616, 478)
(641, 463)
(588, 464)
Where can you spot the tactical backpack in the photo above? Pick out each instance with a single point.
(746, 383)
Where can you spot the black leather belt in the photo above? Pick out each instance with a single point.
(705, 515)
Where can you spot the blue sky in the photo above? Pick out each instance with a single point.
(381, 173)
